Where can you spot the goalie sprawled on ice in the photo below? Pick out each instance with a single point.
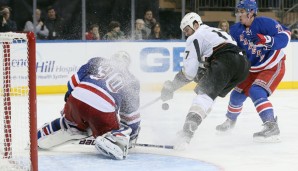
(97, 94)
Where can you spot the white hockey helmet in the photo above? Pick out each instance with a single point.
(188, 20)
(121, 58)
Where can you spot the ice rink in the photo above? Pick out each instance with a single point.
(234, 151)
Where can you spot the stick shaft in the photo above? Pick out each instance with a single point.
(155, 146)
(149, 103)
(91, 141)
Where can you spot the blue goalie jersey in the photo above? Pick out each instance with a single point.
(114, 84)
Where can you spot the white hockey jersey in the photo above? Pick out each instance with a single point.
(199, 46)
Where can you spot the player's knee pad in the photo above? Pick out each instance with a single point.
(256, 92)
(114, 144)
(201, 105)
(236, 98)
(57, 132)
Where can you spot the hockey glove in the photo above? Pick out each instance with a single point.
(167, 91)
(261, 39)
(66, 95)
(200, 74)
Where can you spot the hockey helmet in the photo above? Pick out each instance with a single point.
(121, 58)
(248, 5)
(188, 20)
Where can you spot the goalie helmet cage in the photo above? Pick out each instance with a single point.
(18, 123)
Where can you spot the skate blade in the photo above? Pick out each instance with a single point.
(271, 139)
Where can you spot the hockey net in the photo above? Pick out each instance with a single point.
(18, 138)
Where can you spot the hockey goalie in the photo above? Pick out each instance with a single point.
(103, 96)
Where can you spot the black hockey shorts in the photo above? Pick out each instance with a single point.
(225, 71)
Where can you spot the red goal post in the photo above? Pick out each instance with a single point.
(18, 123)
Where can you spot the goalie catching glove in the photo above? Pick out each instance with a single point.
(67, 94)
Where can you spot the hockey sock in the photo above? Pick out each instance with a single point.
(235, 105)
(262, 104)
(56, 125)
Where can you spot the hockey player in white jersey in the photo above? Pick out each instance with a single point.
(212, 60)
(103, 96)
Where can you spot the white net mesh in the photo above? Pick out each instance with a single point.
(14, 102)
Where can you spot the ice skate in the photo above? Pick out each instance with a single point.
(270, 133)
(184, 136)
(228, 125)
(182, 140)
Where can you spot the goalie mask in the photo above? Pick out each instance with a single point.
(121, 58)
(189, 19)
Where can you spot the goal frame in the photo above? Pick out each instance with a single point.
(31, 51)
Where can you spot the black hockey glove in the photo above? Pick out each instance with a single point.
(167, 91)
(66, 95)
(201, 73)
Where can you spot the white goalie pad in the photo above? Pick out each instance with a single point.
(114, 146)
(59, 137)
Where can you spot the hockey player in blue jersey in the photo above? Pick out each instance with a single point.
(264, 40)
(101, 92)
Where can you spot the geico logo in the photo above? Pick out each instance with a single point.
(159, 59)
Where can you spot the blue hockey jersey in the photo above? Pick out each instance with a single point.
(262, 58)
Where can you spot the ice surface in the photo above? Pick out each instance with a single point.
(136, 161)
(230, 152)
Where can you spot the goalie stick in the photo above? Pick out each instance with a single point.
(90, 141)
(154, 146)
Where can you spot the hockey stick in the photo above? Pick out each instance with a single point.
(90, 141)
(154, 146)
(149, 103)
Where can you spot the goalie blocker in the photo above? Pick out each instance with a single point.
(94, 101)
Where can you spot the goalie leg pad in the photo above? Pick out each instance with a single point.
(58, 132)
(114, 144)
(109, 149)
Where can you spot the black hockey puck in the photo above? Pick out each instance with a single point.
(165, 106)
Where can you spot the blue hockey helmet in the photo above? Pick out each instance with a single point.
(248, 5)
